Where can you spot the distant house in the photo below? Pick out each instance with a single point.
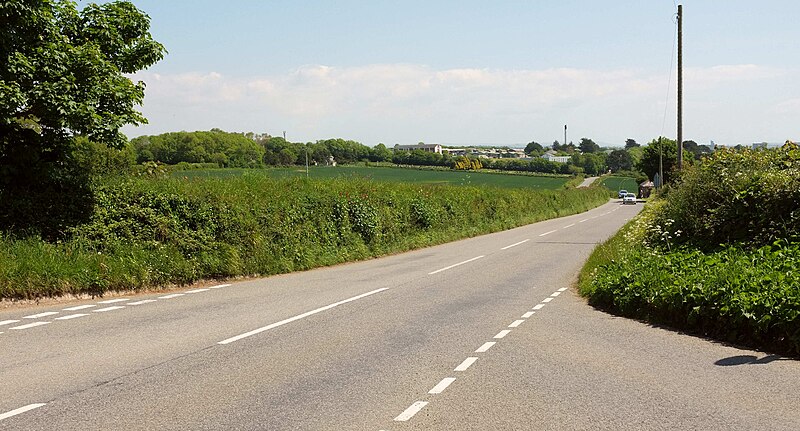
(430, 148)
(551, 156)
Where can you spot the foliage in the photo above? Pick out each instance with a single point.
(737, 196)
(592, 164)
(215, 146)
(464, 163)
(534, 148)
(741, 295)
(61, 76)
(146, 232)
(619, 160)
(717, 257)
(631, 143)
(588, 146)
(667, 150)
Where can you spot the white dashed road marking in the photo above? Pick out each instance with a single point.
(174, 295)
(466, 364)
(586, 219)
(516, 323)
(103, 310)
(538, 306)
(45, 314)
(300, 316)
(562, 289)
(114, 301)
(486, 346)
(546, 300)
(453, 266)
(71, 316)
(548, 233)
(219, 286)
(441, 386)
(80, 307)
(21, 410)
(556, 294)
(411, 411)
(568, 226)
(30, 325)
(8, 322)
(515, 244)
(196, 291)
(144, 301)
(528, 314)
(502, 333)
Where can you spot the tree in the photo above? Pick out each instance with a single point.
(619, 160)
(556, 146)
(588, 146)
(62, 75)
(631, 143)
(533, 147)
(667, 149)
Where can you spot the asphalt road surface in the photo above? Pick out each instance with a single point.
(479, 334)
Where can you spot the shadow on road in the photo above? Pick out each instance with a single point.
(748, 360)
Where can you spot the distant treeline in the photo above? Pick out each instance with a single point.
(248, 150)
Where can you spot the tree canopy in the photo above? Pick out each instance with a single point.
(62, 76)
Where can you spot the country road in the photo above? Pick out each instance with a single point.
(480, 334)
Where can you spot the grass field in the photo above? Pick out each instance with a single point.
(619, 183)
(393, 174)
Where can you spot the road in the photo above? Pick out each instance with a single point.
(479, 334)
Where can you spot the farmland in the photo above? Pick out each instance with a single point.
(405, 175)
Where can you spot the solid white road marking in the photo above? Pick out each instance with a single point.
(144, 301)
(21, 410)
(516, 323)
(103, 310)
(546, 300)
(538, 306)
(453, 266)
(486, 346)
(219, 286)
(80, 307)
(466, 364)
(556, 294)
(548, 233)
(562, 289)
(196, 291)
(441, 386)
(114, 301)
(568, 226)
(174, 295)
(30, 325)
(8, 322)
(528, 314)
(502, 333)
(300, 316)
(45, 314)
(411, 411)
(515, 244)
(71, 316)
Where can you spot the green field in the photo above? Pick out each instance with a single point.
(619, 183)
(393, 174)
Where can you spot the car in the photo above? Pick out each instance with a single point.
(629, 198)
(622, 193)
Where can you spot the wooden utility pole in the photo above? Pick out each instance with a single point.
(680, 87)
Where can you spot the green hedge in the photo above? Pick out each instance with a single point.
(148, 232)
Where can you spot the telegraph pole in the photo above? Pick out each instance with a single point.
(680, 87)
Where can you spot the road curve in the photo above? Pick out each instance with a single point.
(477, 334)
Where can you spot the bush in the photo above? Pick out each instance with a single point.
(736, 196)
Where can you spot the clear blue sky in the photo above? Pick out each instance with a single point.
(469, 72)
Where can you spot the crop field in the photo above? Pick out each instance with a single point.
(394, 175)
(619, 183)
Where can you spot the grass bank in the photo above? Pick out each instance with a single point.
(145, 233)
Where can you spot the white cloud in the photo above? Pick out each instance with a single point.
(407, 102)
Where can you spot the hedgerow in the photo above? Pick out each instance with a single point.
(150, 231)
(712, 258)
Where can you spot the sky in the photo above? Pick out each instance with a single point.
(474, 72)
